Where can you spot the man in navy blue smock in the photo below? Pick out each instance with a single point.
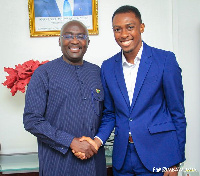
(64, 102)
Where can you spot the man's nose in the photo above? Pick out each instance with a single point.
(74, 40)
(124, 33)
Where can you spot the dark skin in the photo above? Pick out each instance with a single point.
(127, 30)
(83, 147)
(73, 51)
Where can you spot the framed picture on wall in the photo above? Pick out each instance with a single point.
(46, 17)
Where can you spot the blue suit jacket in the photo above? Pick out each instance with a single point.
(49, 8)
(156, 117)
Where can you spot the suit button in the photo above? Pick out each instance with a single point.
(130, 119)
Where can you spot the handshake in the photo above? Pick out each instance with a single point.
(85, 147)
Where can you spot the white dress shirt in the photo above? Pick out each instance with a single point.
(130, 73)
(60, 4)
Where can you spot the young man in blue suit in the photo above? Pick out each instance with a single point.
(144, 101)
(54, 8)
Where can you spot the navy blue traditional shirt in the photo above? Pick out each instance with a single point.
(64, 101)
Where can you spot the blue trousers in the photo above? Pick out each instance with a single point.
(133, 166)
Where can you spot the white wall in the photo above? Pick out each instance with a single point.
(168, 26)
(188, 50)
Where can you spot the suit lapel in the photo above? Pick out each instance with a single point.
(120, 78)
(52, 7)
(143, 70)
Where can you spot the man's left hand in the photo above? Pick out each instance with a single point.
(94, 143)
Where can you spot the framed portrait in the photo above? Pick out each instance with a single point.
(46, 17)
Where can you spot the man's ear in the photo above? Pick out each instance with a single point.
(142, 26)
(59, 41)
(88, 41)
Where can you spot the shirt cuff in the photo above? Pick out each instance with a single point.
(99, 139)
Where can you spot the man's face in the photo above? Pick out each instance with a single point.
(127, 30)
(73, 48)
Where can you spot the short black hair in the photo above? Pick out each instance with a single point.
(127, 9)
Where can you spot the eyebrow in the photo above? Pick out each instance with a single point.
(125, 24)
(74, 33)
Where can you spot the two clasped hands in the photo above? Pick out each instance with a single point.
(85, 147)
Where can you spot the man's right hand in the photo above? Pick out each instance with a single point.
(96, 142)
(83, 148)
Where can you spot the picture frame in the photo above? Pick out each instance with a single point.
(45, 20)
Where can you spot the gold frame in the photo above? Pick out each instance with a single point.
(34, 33)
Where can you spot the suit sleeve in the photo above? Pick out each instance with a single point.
(34, 118)
(108, 120)
(174, 94)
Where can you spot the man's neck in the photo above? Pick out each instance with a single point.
(130, 56)
(80, 62)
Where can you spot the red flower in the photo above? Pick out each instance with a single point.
(20, 76)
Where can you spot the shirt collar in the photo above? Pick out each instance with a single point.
(138, 57)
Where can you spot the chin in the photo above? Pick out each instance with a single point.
(127, 51)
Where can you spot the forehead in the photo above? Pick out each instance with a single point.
(125, 18)
(74, 27)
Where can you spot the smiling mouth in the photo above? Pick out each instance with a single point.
(75, 49)
(126, 43)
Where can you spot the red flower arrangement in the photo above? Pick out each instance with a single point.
(20, 76)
